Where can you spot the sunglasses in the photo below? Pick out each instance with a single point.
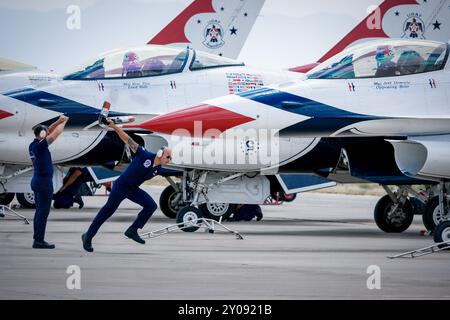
(169, 158)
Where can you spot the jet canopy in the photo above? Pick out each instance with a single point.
(147, 61)
(383, 58)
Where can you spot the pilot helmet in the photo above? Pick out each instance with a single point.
(385, 53)
(130, 61)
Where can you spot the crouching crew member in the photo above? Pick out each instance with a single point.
(70, 191)
(42, 181)
(144, 166)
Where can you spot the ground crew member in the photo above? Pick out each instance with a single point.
(70, 191)
(42, 181)
(144, 166)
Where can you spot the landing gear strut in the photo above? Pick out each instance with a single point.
(442, 231)
(171, 199)
(437, 209)
(193, 191)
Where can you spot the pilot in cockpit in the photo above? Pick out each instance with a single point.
(131, 66)
(385, 66)
(153, 66)
(410, 62)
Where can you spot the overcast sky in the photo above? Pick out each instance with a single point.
(288, 32)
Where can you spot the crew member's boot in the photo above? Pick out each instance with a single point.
(133, 234)
(42, 245)
(79, 200)
(87, 243)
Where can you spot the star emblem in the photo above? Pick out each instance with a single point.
(233, 31)
(245, 14)
(437, 25)
(397, 13)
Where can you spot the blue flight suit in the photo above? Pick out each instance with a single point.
(66, 198)
(42, 185)
(247, 212)
(127, 187)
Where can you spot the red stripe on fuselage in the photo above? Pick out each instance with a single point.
(194, 121)
(4, 114)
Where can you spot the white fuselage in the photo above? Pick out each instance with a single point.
(143, 97)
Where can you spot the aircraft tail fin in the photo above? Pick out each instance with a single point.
(216, 26)
(408, 19)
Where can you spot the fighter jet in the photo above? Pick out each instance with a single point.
(379, 110)
(169, 70)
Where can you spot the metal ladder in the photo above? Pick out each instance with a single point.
(7, 211)
(423, 251)
(209, 225)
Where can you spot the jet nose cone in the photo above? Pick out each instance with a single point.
(194, 121)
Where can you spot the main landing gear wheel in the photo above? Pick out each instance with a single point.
(26, 200)
(216, 210)
(188, 216)
(392, 218)
(442, 232)
(6, 198)
(166, 202)
(433, 215)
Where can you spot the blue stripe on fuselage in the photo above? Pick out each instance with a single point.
(299, 105)
(324, 118)
(79, 114)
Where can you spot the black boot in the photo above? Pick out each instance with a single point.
(42, 245)
(87, 243)
(133, 234)
(258, 214)
(80, 202)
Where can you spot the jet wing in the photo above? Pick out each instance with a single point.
(303, 183)
(103, 175)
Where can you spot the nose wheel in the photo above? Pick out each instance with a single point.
(188, 218)
(442, 232)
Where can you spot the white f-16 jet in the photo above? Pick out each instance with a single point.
(176, 67)
(379, 110)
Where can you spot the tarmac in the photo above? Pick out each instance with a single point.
(321, 246)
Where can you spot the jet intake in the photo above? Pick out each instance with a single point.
(424, 157)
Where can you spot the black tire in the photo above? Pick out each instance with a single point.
(26, 200)
(288, 197)
(186, 215)
(442, 232)
(389, 225)
(432, 216)
(165, 203)
(6, 198)
(216, 210)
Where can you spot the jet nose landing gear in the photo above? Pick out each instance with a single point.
(188, 218)
(442, 232)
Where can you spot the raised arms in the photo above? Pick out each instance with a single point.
(56, 128)
(124, 136)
